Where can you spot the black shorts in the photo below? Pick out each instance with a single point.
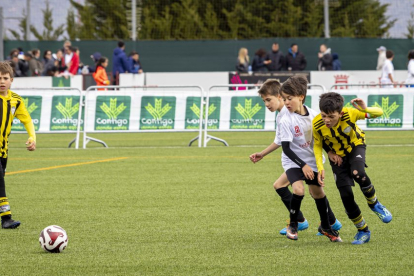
(3, 162)
(342, 174)
(296, 174)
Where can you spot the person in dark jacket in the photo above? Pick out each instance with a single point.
(119, 61)
(336, 63)
(325, 58)
(259, 62)
(277, 59)
(49, 68)
(134, 63)
(295, 60)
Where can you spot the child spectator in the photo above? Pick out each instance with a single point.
(100, 75)
(134, 63)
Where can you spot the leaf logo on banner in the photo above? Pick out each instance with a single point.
(158, 111)
(112, 111)
(247, 111)
(196, 110)
(30, 108)
(388, 109)
(68, 110)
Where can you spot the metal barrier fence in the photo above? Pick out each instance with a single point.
(137, 93)
(43, 100)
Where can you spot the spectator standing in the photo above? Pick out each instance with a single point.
(387, 78)
(410, 77)
(381, 57)
(12, 53)
(295, 60)
(59, 62)
(14, 63)
(119, 61)
(276, 58)
(71, 60)
(336, 63)
(35, 64)
(100, 75)
(259, 62)
(325, 58)
(242, 65)
(24, 64)
(134, 63)
(48, 64)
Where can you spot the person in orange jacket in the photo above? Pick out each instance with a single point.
(100, 75)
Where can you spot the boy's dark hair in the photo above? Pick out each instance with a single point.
(330, 102)
(5, 68)
(261, 52)
(296, 86)
(270, 87)
(389, 54)
(411, 54)
(121, 44)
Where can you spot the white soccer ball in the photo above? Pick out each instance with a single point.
(53, 239)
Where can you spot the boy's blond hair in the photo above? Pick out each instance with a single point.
(5, 68)
(270, 87)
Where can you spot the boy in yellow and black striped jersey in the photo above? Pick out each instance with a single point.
(11, 105)
(336, 128)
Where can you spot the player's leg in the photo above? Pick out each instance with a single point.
(6, 221)
(344, 183)
(281, 186)
(357, 166)
(322, 205)
(295, 176)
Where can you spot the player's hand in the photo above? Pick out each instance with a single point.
(359, 104)
(30, 144)
(321, 178)
(256, 157)
(335, 158)
(308, 172)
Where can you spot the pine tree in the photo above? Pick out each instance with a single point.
(49, 33)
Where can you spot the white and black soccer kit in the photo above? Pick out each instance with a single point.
(279, 117)
(296, 137)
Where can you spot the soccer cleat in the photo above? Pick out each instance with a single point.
(10, 224)
(292, 232)
(301, 226)
(382, 212)
(331, 234)
(336, 226)
(362, 237)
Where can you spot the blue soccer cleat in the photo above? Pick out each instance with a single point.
(382, 212)
(301, 226)
(336, 226)
(362, 237)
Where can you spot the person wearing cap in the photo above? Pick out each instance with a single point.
(24, 64)
(381, 57)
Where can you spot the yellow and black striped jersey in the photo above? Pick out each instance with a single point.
(11, 106)
(342, 138)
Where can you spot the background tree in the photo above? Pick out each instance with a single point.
(49, 32)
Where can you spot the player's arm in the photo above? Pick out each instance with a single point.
(23, 115)
(256, 157)
(367, 112)
(317, 150)
(307, 170)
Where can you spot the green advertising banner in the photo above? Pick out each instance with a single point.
(34, 107)
(347, 100)
(157, 113)
(392, 105)
(65, 111)
(60, 82)
(112, 112)
(192, 113)
(247, 113)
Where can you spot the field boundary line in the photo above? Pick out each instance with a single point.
(67, 165)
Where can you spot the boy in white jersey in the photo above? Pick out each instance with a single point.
(269, 92)
(298, 159)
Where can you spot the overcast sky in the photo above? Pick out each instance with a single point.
(398, 9)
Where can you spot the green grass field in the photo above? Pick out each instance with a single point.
(162, 208)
